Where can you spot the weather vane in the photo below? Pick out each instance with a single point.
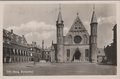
(77, 13)
(59, 7)
(93, 7)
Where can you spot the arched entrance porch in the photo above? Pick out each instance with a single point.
(76, 55)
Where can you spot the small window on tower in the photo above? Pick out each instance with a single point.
(99, 52)
(75, 27)
(68, 52)
(86, 52)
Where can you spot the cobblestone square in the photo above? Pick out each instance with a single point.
(46, 69)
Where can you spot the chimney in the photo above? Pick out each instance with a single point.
(11, 31)
(23, 36)
(33, 43)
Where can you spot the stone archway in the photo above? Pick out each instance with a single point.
(7, 59)
(76, 55)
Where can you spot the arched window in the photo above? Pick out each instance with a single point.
(68, 52)
(70, 39)
(75, 27)
(23, 53)
(15, 51)
(85, 39)
(18, 51)
(12, 51)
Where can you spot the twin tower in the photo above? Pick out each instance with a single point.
(92, 41)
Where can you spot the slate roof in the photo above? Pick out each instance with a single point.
(94, 19)
(14, 38)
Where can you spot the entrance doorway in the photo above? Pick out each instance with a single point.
(76, 55)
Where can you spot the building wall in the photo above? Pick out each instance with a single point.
(37, 53)
(69, 38)
(16, 53)
(72, 49)
(15, 48)
(111, 50)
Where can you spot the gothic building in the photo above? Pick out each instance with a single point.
(46, 55)
(111, 50)
(36, 52)
(77, 45)
(15, 48)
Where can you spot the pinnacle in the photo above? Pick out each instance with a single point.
(59, 20)
(94, 19)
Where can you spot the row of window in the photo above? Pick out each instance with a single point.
(16, 52)
(77, 27)
(46, 52)
(46, 56)
(16, 59)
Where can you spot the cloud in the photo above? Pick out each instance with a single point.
(110, 19)
(105, 33)
(38, 31)
(35, 31)
(66, 29)
(87, 26)
(32, 26)
(104, 30)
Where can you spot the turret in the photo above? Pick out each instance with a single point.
(93, 38)
(43, 56)
(60, 26)
(42, 44)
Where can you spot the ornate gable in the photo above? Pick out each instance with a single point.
(77, 33)
(6, 33)
(78, 26)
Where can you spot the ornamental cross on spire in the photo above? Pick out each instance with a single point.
(77, 14)
(93, 7)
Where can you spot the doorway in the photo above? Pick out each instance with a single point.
(76, 55)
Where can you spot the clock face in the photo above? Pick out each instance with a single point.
(77, 39)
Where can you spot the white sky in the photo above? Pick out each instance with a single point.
(38, 21)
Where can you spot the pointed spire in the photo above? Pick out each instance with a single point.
(59, 20)
(94, 19)
(77, 18)
(43, 44)
(52, 46)
(77, 14)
